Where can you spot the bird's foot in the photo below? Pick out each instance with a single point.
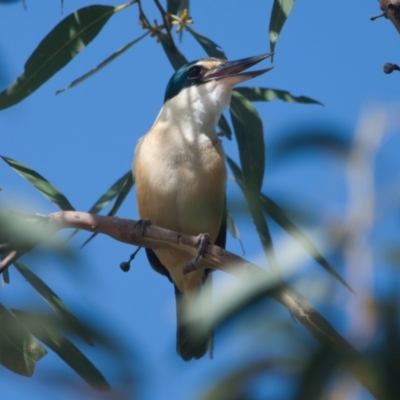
(143, 224)
(202, 242)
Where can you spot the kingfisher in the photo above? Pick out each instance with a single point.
(180, 174)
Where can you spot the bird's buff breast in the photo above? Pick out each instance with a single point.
(180, 185)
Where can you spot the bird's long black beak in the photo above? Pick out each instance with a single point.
(230, 70)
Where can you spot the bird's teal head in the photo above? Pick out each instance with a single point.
(205, 70)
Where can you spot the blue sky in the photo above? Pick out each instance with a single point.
(83, 140)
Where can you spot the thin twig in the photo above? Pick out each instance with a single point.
(164, 16)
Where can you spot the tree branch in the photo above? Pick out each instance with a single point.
(131, 232)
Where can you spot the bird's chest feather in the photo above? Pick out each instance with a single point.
(181, 181)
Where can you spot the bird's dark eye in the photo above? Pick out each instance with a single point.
(194, 72)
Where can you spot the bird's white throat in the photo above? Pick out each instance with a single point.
(196, 109)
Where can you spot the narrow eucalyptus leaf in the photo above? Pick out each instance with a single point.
(175, 57)
(280, 12)
(210, 47)
(19, 350)
(257, 215)
(40, 183)
(107, 61)
(249, 135)
(125, 188)
(105, 198)
(111, 193)
(225, 128)
(185, 5)
(235, 384)
(173, 6)
(64, 348)
(57, 49)
(266, 94)
(54, 302)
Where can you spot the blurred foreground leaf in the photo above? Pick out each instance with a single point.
(236, 298)
(314, 139)
(64, 348)
(19, 350)
(234, 386)
(57, 49)
(55, 303)
(40, 183)
(24, 232)
(279, 216)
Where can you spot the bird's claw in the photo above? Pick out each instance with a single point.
(202, 241)
(143, 224)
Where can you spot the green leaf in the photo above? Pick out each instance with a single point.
(255, 208)
(57, 49)
(236, 298)
(64, 348)
(225, 128)
(185, 5)
(113, 191)
(19, 350)
(279, 216)
(210, 47)
(315, 139)
(40, 183)
(125, 188)
(266, 94)
(105, 199)
(173, 6)
(235, 385)
(55, 303)
(107, 61)
(249, 135)
(175, 57)
(280, 11)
